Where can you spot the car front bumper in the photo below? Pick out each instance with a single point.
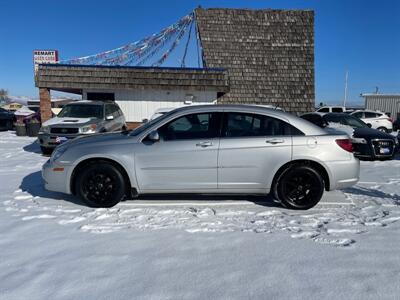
(56, 177)
(49, 140)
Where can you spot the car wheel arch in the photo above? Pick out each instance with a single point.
(85, 162)
(318, 166)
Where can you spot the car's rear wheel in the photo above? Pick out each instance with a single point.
(299, 187)
(383, 129)
(100, 185)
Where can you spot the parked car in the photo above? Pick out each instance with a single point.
(160, 111)
(375, 119)
(367, 142)
(217, 149)
(396, 124)
(328, 109)
(7, 119)
(80, 118)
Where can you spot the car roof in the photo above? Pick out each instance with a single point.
(89, 102)
(305, 126)
(369, 110)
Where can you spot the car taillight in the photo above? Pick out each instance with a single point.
(390, 119)
(345, 144)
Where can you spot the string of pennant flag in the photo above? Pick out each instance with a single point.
(141, 52)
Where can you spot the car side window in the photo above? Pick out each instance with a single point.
(369, 115)
(108, 110)
(251, 125)
(325, 109)
(358, 114)
(337, 109)
(192, 126)
(115, 111)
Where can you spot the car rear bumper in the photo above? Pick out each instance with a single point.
(344, 174)
(55, 177)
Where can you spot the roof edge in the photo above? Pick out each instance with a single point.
(134, 67)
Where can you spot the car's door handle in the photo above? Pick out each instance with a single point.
(204, 144)
(275, 141)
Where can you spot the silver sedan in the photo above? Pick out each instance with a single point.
(212, 149)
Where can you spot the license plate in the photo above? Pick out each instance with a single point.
(384, 150)
(61, 139)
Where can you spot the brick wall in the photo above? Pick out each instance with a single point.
(269, 54)
(45, 104)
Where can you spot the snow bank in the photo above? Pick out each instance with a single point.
(164, 248)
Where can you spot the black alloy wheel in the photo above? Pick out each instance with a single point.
(300, 187)
(100, 185)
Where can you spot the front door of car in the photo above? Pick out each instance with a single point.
(184, 158)
(252, 148)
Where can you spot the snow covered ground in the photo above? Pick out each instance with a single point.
(52, 246)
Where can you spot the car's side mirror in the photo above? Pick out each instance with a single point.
(145, 121)
(109, 118)
(369, 125)
(153, 136)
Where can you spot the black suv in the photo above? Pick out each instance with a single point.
(7, 119)
(367, 142)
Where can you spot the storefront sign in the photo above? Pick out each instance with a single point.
(44, 57)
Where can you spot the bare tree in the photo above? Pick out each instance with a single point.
(3, 94)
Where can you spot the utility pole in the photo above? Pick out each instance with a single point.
(345, 89)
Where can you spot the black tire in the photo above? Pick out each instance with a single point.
(299, 187)
(46, 151)
(100, 185)
(383, 129)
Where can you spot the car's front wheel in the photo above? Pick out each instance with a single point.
(100, 185)
(299, 187)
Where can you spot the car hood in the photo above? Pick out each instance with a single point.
(99, 139)
(71, 122)
(371, 133)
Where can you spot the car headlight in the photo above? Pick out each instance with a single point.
(88, 129)
(58, 152)
(44, 129)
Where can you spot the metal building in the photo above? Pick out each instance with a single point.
(388, 103)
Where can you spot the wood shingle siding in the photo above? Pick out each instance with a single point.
(269, 54)
(67, 77)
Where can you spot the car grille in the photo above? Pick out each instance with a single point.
(380, 145)
(64, 130)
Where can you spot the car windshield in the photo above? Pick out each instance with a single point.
(354, 122)
(82, 111)
(147, 125)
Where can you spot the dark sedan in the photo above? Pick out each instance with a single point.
(367, 142)
(7, 119)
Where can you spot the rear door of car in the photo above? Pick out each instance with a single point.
(252, 148)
